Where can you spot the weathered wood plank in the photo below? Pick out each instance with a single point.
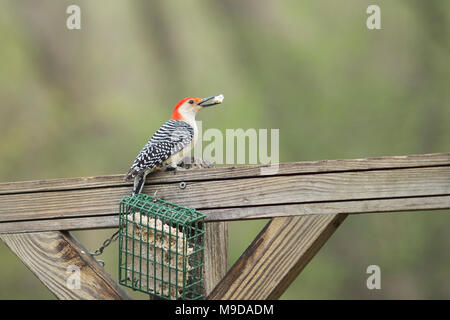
(230, 172)
(330, 208)
(245, 213)
(276, 256)
(203, 195)
(216, 254)
(60, 224)
(49, 254)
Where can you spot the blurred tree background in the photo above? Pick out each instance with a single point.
(83, 102)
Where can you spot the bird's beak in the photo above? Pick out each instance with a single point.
(211, 101)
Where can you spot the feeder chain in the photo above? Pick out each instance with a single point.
(106, 243)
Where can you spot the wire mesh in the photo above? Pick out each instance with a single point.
(161, 249)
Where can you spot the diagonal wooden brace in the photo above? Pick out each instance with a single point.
(276, 256)
(49, 255)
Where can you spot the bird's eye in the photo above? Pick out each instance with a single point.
(191, 101)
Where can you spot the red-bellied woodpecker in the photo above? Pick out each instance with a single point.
(170, 143)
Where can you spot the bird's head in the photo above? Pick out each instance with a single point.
(187, 108)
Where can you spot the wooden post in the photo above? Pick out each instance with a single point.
(216, 254)
(50, 256)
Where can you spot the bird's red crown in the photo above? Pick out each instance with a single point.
(176, 115)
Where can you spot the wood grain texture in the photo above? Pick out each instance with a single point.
(322, 192)
(245, 213)
(276, 257)
(49, 254)
(397, 183)
(230, 172)
(330, 207)
(67, 224)
(216, 254)
(411, 183)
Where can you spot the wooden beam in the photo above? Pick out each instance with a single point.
(399, 183)
(216, 254)
(63, 224)
(49, 255)
(230, 172)
(404, 187)
(396, 205)
(330, 207)
(411, 183)
(276, 256)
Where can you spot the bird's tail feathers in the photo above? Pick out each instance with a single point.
(139, 182)
(131, 174)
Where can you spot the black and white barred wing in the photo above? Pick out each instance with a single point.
(170, 139)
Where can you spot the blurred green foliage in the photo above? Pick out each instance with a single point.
(83, 102)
